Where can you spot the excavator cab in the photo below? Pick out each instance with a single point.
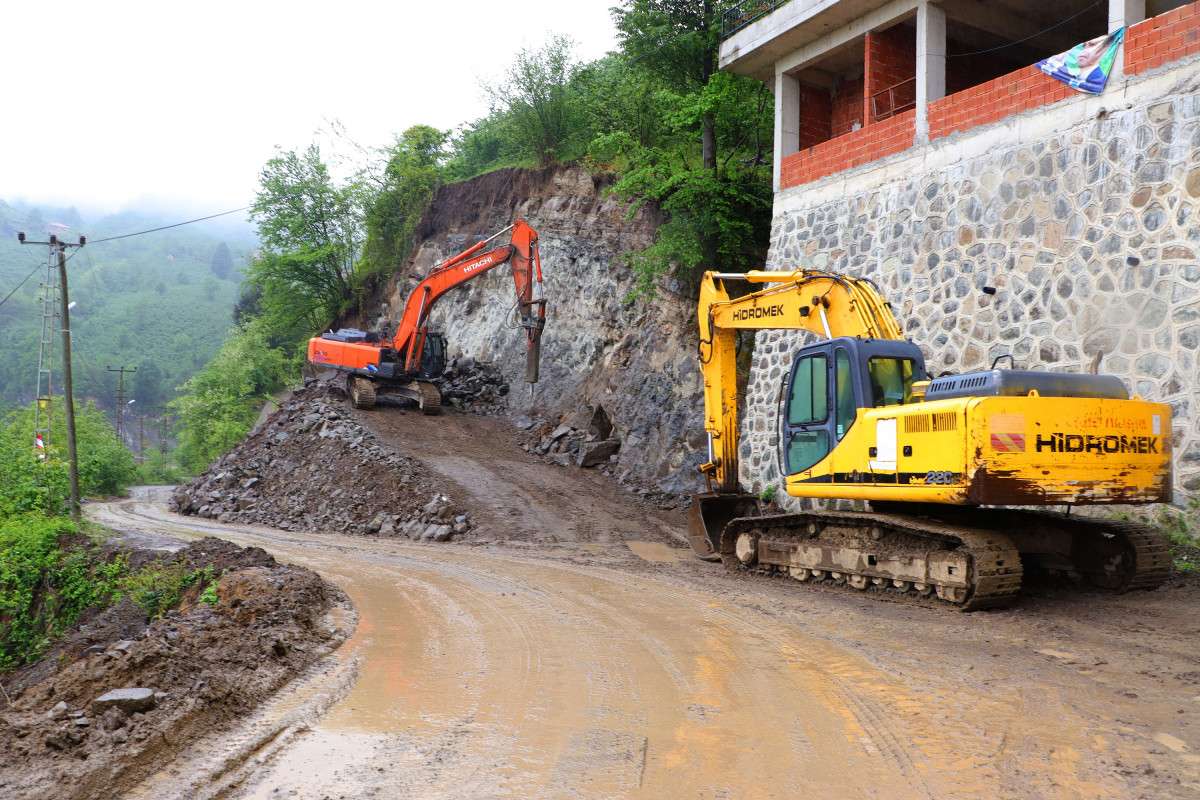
(433, 357)
(827, 385)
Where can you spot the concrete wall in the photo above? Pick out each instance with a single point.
(1085, 215)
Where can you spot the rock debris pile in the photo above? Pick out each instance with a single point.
(587, 439)
(584, 439)
(312, 466)
(475, 385)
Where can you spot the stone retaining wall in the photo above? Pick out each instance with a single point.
(1085, 218)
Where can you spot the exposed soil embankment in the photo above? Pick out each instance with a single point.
(121, 695)
(312, 466)
(636, 358)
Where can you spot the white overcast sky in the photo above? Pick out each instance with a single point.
(177, 105)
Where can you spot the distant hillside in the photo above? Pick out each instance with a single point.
(162, 302)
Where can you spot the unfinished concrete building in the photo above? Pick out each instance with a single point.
(917, 144)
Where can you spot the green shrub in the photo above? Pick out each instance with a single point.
(30, 484)
(44, 585)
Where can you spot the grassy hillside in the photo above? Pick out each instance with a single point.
(162, 302)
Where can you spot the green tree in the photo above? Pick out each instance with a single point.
(311, 231)
(406, 187)
(678, 40)
(718, 210)
(535, 97)
(149, 388)
(30, 483)
(218, 405)
(222, 261)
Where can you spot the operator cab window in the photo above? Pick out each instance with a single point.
(806, 437)
(809, 399)
(891, 381)
(844, 399)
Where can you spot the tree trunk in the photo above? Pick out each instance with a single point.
(708, 143)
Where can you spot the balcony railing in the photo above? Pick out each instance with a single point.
(745, 12)
(893, 100)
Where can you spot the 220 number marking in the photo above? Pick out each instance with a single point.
(939, 478)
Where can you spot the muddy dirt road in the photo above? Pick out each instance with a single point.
(594, 658)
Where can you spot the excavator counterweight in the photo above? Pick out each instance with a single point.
(942, 462)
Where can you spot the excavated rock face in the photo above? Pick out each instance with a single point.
(637, 359)
(313, 466)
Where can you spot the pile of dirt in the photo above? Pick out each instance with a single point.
(312, 466)
(120, 696)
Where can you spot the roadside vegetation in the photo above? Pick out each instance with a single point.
(1182, 527)
(52, 570)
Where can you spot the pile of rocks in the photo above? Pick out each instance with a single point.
(584, 439)
(312, 466)
(438, 521)
(474, 385)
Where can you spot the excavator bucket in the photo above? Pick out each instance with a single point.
(709, 515)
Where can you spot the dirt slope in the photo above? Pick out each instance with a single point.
(198, 667)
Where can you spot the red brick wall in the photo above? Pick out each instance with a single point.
(847, 106)
(1161, 39)
(890, 58)
(851, 150)
(816, 113)
(994, 100)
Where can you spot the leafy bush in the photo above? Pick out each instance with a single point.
(157, 588)
(44, 586)
(219, 404)
(29, 484)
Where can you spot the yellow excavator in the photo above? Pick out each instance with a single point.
(949, 466)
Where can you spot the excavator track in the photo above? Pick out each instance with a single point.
(430, 399)
(1113, 555)
(362, 392)
(970, 568)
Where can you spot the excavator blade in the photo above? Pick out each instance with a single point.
(709, 515)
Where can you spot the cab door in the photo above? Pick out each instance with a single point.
(808, 421)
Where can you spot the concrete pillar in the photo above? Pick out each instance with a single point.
(1125, 12)
(931, 62)
(1121, 14)
(787, 120)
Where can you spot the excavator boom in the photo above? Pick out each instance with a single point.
(414, 357)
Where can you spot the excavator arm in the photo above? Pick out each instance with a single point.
(521, 251)
(820, 302)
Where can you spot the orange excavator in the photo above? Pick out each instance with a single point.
(408, 365)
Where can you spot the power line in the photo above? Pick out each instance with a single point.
(167, 227)
(1055, 26)
(19, 285)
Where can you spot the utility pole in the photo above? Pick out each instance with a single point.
(120, 413)
(59, 249)
(45, 368)
(142, 437)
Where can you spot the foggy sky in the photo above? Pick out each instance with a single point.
(179, 105)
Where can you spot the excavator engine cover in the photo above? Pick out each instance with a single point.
(709, 515)
(1018, 383)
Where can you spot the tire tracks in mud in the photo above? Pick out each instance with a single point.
(669, 675)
